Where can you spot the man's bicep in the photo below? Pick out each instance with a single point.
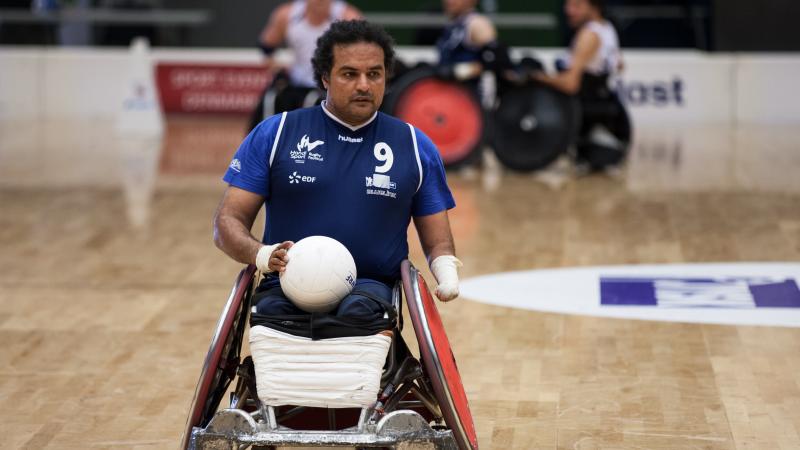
(250, 167)
(586, 47)
(481, 31)
(241, 205)
(433, 194)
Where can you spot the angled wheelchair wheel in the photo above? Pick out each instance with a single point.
(222, 359)
(437, 358)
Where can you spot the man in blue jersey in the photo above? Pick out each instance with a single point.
(343, 170)
(467, 43)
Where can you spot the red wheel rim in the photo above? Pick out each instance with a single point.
(447, 113)
(439, 362)
(219, 341)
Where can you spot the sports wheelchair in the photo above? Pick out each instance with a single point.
(421, 403)
(528, 124)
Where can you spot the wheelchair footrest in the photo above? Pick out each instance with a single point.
(401, 430)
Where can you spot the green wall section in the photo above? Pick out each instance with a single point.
(510, 35)
(544, 6)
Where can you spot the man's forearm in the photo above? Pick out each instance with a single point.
(434, 235)
(234, 238)
(439, 249)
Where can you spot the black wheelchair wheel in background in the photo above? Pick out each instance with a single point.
(532, 126)
(281, 96)
(447, 111)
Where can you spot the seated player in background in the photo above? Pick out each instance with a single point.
(343, 170)
(297, 25)
(594, 51)
(589, 72)
(464, 40)
(467, 47)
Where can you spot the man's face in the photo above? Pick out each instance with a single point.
(356, 83)
(455, 8)
(577, 12)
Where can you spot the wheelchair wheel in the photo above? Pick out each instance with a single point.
(281, 96)
(222, 359)
(437, 358)
(533, 125)
(446, 111)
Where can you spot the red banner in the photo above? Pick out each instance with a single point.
(210, 88)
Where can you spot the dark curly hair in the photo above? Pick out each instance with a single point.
(345, 32)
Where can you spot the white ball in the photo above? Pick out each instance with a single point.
(319, 274)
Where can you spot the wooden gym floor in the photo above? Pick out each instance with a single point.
(110, 288)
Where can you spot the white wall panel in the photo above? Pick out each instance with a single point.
(660, 87)
(768, 88)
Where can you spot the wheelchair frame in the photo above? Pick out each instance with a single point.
(413, 393)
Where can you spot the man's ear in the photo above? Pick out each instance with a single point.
(325, 80)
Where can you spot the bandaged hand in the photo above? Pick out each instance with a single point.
(273, 258)
(445, 269)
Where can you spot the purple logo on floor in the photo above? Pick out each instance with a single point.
(667, 292)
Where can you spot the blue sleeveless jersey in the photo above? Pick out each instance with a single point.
(358, 185)
(452, 45)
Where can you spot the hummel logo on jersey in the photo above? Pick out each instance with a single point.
(351, 139)
(306, 146)
(236, 165)
(296, 178)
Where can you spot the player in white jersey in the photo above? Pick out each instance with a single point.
(595, 48)
(604, 135)
(296, 25)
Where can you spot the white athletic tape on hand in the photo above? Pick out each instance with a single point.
(464, 71)
(445, 269)
(262, 257)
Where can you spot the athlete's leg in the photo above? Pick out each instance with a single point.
(270, 299)
(359, 304)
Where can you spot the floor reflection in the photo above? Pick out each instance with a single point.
(747, 158)
(677, 183)
(81, 155)
(201, 145)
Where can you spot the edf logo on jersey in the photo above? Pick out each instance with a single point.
(296, 178)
